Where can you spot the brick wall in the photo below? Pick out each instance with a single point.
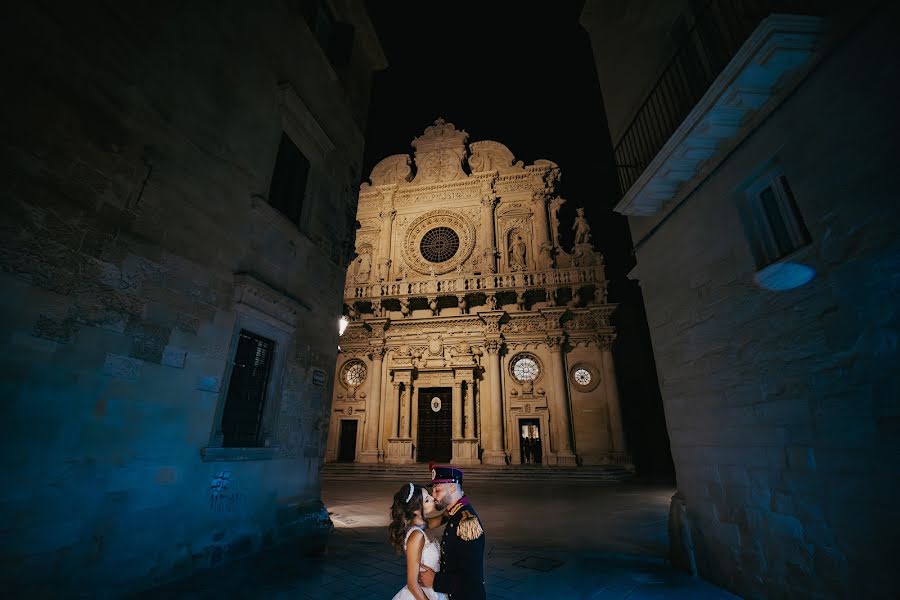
(783, 407)
(137, 151)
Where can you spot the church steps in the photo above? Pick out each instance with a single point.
(382, 472)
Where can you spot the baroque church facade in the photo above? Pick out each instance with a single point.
(473, 336)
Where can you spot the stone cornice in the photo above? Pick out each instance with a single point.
(250, 291)
(764, 71)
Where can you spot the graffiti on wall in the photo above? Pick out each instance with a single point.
(223, 498)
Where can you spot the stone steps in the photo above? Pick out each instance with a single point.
(420, 472)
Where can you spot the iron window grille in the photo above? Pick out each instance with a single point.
(247, 391)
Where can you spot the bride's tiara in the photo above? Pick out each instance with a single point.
(408, 498)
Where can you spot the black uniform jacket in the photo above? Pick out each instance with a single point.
(462, 554)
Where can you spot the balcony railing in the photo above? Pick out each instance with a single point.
(451, 285)
(719, 30)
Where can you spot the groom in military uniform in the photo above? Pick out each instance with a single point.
(462, 546)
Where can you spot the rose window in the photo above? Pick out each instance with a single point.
(355, 373)
(582, 376)
(439, 245)
(526, 369)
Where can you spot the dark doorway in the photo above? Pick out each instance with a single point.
(530, 444)
(435, 408)
(347, 449)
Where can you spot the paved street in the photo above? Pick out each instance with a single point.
(571, 541)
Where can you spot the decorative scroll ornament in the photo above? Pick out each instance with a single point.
(492, 156)
(392, 170)
(436, 404)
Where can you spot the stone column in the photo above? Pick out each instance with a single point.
(541, 231)
(405, 414)
(494, 454)
(470, 409)
(384, 244)
(370, 442)
(457, 409)
(489, 239)
(560, 405)
(412, 398)
(613, 403)
(395, 416)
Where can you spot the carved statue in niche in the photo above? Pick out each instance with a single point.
(517, 248)
(362, 267)
(404, 307)
(582, 228)
(555, 205)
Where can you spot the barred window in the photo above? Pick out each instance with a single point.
(247, 391)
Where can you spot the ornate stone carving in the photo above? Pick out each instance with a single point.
(555, 342)
(361, 270)
(555, 204)
(605, 342)
(492, 156)
(517, 248)
(439, 153)
(391, 170)
(582, 228)
(425, 223)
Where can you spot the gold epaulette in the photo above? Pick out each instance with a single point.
(469, 527)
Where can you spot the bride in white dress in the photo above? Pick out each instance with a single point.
(409, 535)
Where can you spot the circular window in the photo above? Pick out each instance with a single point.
(439, 245)
(582, 376)
(525, 368)
(354, 373)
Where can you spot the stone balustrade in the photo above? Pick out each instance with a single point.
(464, 284)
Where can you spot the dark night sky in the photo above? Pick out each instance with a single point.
(518, 73)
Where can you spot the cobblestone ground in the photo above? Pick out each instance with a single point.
(572, 541)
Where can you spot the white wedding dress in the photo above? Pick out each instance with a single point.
(431, 558)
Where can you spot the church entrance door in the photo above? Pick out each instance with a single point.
(531, 446)
(435, 408)
(347, 448)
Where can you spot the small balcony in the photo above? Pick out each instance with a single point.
(738, 60)
(563, 285)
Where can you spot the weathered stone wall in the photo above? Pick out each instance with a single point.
(137, 154)
(783, 407)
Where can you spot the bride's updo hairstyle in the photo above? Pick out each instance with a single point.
(407, 501)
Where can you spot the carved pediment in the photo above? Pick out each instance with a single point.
(440, 152)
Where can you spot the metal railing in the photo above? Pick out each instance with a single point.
(719, 29)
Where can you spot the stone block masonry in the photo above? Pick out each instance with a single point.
(137, 157)
(781, 406)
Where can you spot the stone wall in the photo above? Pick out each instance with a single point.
(783, 407)
(138, 150)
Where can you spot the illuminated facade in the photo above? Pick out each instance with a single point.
(471, 329)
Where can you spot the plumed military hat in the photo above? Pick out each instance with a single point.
(446, 474)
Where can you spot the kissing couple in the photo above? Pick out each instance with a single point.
(455, 569)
